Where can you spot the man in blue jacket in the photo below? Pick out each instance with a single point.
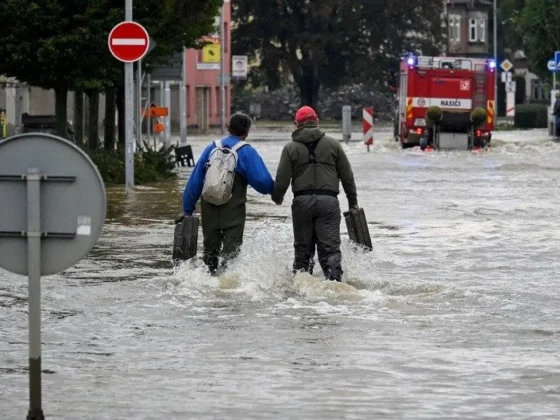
(223, 226)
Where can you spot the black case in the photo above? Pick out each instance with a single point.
(185, 239)
(357, 226)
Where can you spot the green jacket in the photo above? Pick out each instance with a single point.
(331, 167)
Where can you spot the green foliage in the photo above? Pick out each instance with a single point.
(538, 25)
(332, 42)
(149, 165)
(510, 12)
(531, 116)
(478, 116)
(155, 165)
(63, 44)
(433, 114)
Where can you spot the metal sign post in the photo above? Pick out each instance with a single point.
(346, 123)
(52, 212)
(556, 68)
(183, 99)
(129, 42)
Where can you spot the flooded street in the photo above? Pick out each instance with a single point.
(454, 315)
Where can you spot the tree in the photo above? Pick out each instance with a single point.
(332, 41)
(510, 12)
(538, 27)
(62, 44)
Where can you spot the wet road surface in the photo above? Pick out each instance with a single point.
(453, 315)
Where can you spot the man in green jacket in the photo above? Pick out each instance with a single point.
(315, 164)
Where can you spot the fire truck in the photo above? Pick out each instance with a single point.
(452, 88)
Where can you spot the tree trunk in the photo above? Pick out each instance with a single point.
(110, 107)
(79, 116)
(93, 117)
(309, 90)
(61, 102)
(121, 115)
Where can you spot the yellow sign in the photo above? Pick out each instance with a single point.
(211, 53)
(3, 125)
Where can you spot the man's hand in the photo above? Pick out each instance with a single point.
(355, 207)
(180, 218)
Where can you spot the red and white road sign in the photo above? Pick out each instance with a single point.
(368, 125)
(129, 41)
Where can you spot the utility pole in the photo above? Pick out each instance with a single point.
(222, 71)
(183, 100)
(496, 56)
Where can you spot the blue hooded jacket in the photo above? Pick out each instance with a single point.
(249, 165)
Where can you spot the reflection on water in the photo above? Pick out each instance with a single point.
(144, 203)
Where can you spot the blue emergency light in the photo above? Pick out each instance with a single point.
(492, 64)
(411, 60)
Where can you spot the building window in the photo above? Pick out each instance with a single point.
(454, 28)
(473, 30)
(482, 30)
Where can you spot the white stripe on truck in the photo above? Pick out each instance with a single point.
(444, 103)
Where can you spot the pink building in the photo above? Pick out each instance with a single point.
(203, 78)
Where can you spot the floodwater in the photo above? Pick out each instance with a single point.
(454, 315)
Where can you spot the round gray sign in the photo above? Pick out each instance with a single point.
(72, 201)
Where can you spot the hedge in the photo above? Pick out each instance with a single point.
(531, 116)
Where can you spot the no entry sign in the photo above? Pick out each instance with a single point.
(129, 41)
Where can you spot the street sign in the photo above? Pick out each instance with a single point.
(171, 72)
(240, 66)
(551, 65)
(152, 45)
(367, 126)
(129, 42)
(511, 86)
(506, 77)
(71, 197)
(506, 65)
(51, 214)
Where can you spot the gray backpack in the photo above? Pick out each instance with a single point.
(220, 173)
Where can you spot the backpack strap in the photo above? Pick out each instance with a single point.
(311, 148)
(218, 144)
(239, 145)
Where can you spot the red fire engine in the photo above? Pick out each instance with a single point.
(457, 86)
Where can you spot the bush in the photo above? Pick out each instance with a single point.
(433, 114)
(149, 165)
(478, 116)
(531, 116)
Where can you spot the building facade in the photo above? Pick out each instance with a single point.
(203, 78)
(470, 26)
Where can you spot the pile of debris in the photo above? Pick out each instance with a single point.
(282, 104)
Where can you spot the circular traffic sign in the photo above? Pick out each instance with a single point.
(71, 205)
(129, 42)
